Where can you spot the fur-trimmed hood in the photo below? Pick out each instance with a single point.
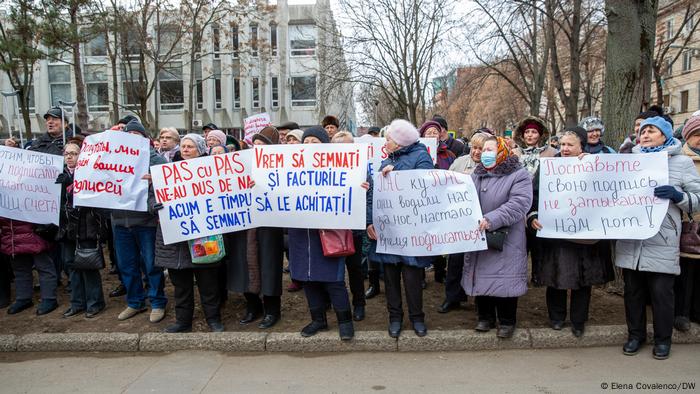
(520, 131)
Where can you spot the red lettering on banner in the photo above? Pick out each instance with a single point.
(127, 150)
(336, 159)
(228, 164)
(178, 172)
(121, 168)
(268, 160)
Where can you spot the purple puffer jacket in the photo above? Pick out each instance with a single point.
(19, 238)
(505, 194)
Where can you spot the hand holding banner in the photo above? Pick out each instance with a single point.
(376, 152)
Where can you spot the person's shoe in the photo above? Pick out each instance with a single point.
(19, 306)
(371, 292)
(157, 314)
(358, 313)
(178, 327)
(373, 289)
(130, 312)
(250, 316)
(577, 331)
(505, 331)
(681, 323)
(448, 306)
(484, 326)
(661, 351)
(420, 329)
(294, 287)
(631, 347)
(94, 312)
(216, 326)
(318, 323)
(118, 291)
(46, 306)
(72, 312)
(556, 324)
(346, 330)
(395, 329)
(268, 321)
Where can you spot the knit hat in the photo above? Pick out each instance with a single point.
(198, 141)
(374, 130)
(219, 135)
(269, 135)
(210, 126)
(288, 126)
(402, 132)
(580, 132)
(330, 120)
(592, 123)
(231, 140)
(660, 123)
(487, 131)
(441, 121)
(296, 133)
(126, 119)
(691, 127)
(55, 112)
(428, 124)
(318, 132)
(136, 126)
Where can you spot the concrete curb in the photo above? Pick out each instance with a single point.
(325, 342)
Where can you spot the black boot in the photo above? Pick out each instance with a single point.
(318, 323)
(345, 326)
(373, 288)
(253, 308)
(272, 306)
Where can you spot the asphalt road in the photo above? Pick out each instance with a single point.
(583, 370)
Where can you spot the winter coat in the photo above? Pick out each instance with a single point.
(464, 164)
(569, 264)
(176, 255)
(505, 196)
(306, 259)
(660, 253)
(254, 262)
(18, 237)
(412, 157)
(455, 146)
(530, 156)
(79, 224)
(47, 144)
(598, 148)
(149, 218)
(696, 217)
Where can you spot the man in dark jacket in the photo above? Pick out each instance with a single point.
(52, 141)
(454, 145)
(134, 241)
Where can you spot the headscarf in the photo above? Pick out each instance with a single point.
(198, 140)
(503, 151)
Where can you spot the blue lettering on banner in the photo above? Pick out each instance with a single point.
(179, 210)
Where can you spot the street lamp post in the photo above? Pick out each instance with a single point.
(66, 104)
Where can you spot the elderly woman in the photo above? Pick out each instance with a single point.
(454, 293)
(649, 266)
(405, 153)
(595, 129)
(574, 265)
(498, 277)
(169, 144)
(294, 136)
(183, 273)
(216, 137)
(445, 157)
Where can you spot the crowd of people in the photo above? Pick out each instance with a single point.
(505, 171)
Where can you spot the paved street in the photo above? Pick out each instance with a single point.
(516, 371)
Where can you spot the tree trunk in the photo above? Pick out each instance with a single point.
(659, 86)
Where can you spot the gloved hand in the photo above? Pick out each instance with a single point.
(668, 192)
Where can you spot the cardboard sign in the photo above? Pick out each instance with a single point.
(253, 124)
(28, 188)
(376, 152)
(426, 213)
(602, 196)
(310, 186)
(204, 196)
(109, 172)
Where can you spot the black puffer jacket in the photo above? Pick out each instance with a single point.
(83, 224)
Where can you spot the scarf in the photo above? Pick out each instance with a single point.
(531, 158)
(696, 150)
(595, 148)
(659, 148)
(445, 157)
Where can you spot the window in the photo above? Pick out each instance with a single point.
(169, 43)
(216, 41)
(234, 43)
(669, 67)
(303, 91)
(217, 84)
(31, 99)
(687, 60)
(130, 44)
(256, 92)
(684, 101)
(96, 46)
(59, 84)
(689, 24)
(131, 89)
(274, 89)
(199, 85)
(302, 40)
(97, 88)
(667, 100)
(669, 29)
(236, 93)
(172, 92)
(254, 40)
(273, 39)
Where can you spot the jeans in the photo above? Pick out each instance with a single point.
(22, 265)
(136, 245)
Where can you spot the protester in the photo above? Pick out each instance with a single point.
(169, 144)
(255, 261)
(12, 142)
(454, 145)
(498, 277)
(569, 264)
(596, 129)
(532, 136)
(554, 142)
(216, 137)
(207, 128)
(134, 241)
(374, 131)
(82, 227)
(217, 150)
(405, 153)
(294, 136)
(649, 266)
(285, 128)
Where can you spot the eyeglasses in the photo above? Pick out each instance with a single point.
(71, 154)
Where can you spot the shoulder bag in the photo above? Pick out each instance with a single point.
(337, 243)
(690, 232)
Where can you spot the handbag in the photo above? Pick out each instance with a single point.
(207, 250)
(496, 238)
(337, 243)
(88, 258)
(690, 232)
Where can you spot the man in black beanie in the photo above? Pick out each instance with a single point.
(454, 145)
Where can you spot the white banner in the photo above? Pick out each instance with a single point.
(376, 152)
(426, 213)
(28, 188)
(204, 196)
(310, 186)
(253, 124)
(109, 172)
(607, 196)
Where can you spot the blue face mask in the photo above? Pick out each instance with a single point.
(488, 159)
